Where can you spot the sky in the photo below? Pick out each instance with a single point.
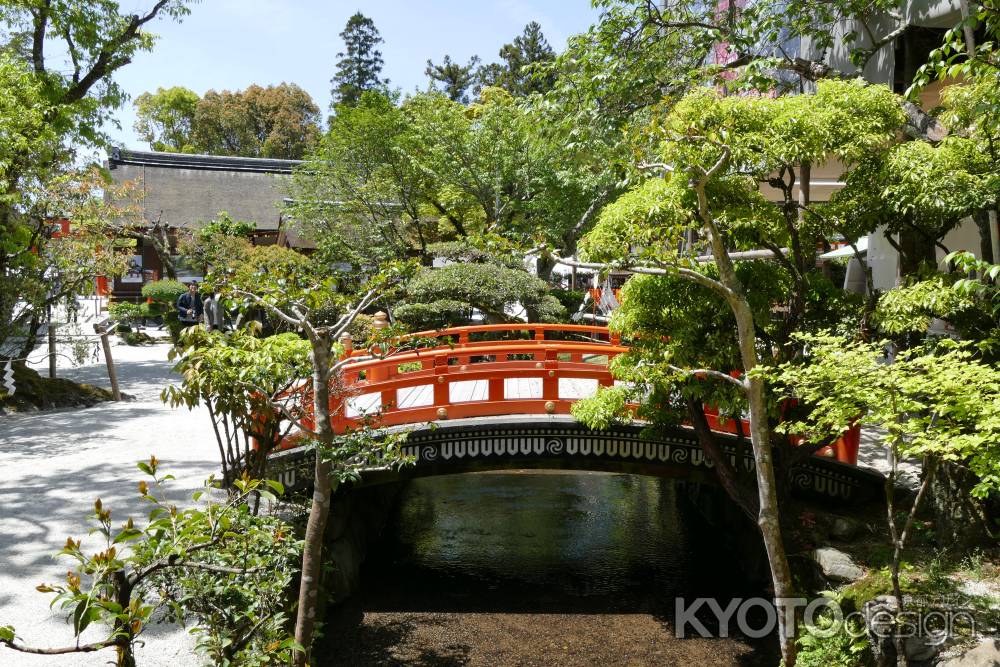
(230, 44)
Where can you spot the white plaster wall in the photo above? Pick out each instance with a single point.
(883, 260)
(964, 237)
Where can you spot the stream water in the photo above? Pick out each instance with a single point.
(531, 567)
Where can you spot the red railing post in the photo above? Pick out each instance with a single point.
(846, 447)
(388, 398)
(441, 392)
(338, 414)
(463, 341)
(550, 382)
(496, 390)
(539, 336)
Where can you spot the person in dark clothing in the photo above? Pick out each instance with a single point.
(189, 307)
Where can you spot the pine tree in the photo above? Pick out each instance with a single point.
(360, 65)
(455, 79)
(519, 73)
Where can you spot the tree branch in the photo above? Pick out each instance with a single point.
(107, 61)
(62, 650)
(270, 307)
(688, 274)
(41, 21)
(719, 375)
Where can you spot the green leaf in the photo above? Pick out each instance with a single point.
(127, 534)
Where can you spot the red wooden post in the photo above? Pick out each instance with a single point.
(847, 445)
(441, 393)
(550, 382)
(463, 341)
(539, 336)
(347, 340)
(496, 390)
(338, 415)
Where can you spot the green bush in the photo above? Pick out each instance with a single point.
(447, 295)
(164, 294)
(569, 298)
(135, 338)
(164, 291)
(125, 312)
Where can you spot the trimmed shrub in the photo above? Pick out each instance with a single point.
(164, 294)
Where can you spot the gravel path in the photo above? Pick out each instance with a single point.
(54, 464)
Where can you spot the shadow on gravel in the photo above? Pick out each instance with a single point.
(129, 372)
(54, 433)
(34, 513)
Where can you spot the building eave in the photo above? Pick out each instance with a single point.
(124, 156)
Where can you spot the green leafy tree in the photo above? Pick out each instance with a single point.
(983, 286)
(162, 296)
(456, 80)
(307, 299)
(221, 241)
(920, 192)
(970, 72)
(359, 66)
(216, 564)
(94, 41)
(41, 268)
(279, 121)
(361, 195)
(702, 219)
(521, 72)
(165, 119)
(389, 181)
(939, 405)
(239, 376)
(48, 104)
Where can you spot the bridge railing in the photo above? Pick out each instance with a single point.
(466, 376)
(473, 379)
(477, 335)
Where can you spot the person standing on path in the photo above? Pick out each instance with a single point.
(189, 306)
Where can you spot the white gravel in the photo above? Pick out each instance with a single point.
(54, 464)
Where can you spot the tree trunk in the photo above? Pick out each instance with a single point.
(727, 474)
(123, 596)
(312, 551)
(768, 516)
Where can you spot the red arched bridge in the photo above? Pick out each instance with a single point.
(499, 396)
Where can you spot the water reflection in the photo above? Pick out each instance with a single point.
(589, 535)
(537, 567)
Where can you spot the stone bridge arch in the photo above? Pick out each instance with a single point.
(557, 442)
